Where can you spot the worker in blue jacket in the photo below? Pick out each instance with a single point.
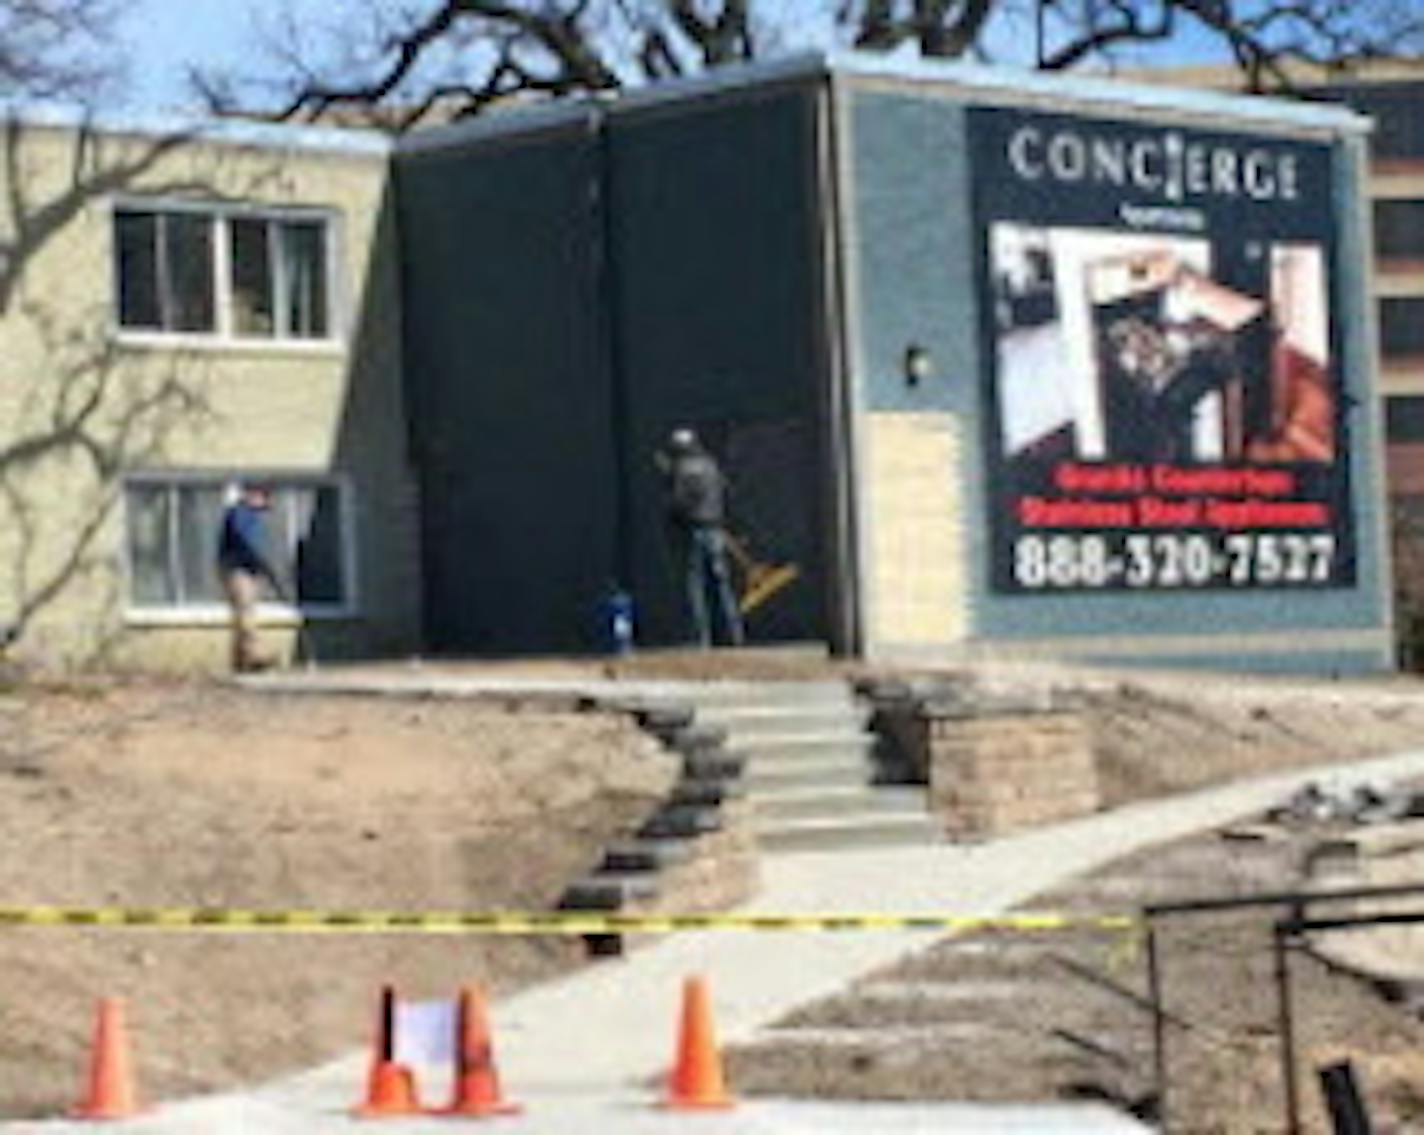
(243, 565)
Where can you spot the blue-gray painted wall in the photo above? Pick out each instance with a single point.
(914, 249)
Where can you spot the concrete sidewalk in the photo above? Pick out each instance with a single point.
(584, 1052)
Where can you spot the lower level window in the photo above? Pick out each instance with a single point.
(173, 526)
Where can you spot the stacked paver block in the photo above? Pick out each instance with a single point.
(1006, 769)
(995, 762)
(697, 851)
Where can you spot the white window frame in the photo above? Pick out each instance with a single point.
(269, 612)
(223, 337)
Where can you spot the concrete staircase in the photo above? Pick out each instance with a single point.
(809, 766)
(797, 753)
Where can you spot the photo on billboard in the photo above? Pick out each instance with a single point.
(1163, 386)
(1121, 347)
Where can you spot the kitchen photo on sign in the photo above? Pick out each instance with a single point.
(1122, 347)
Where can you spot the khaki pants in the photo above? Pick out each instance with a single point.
(241, 589)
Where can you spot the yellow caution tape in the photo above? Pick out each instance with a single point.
(509, 922)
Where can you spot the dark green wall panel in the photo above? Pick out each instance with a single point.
(719, 316)
(510, 404)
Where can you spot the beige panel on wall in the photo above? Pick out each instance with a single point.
(914, 529)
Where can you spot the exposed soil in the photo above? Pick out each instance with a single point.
(140, 793)
(147, 794)
(1064, 1016)
(1156, 736)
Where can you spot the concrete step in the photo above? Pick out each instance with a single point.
(864, 829)
(792, 747)
(744, 723)
(829, 802)
(609, 890)
(709, 695)
(834, 771)
(650, 854)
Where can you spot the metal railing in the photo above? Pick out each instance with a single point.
(1288, 933)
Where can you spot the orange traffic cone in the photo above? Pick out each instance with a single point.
(476, 1079)
(696, 1082)
(111, 1086)
(390, 1087)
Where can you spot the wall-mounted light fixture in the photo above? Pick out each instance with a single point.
(917, 364)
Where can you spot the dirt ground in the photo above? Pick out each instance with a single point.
(1156, 736)
(156, 793)
(1018, 1018)
(161, 794)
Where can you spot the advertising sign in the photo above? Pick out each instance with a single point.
(1162, 374)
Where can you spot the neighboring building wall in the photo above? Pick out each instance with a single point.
(915, 277)
(1396, 189)
(1405, 453)
(86, 410)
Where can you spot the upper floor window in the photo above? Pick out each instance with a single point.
(1401, 321)
(1404, 419)
(230, 274)
(1399, 229)
(1395, 107)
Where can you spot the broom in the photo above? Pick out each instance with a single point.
(760, 581)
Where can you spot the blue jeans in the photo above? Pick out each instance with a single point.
(706, 566)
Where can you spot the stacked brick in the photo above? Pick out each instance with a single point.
(993, 771)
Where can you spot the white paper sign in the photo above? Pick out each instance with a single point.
(425, 1032)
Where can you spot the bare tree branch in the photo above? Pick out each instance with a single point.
(1109, 25)
(460, 57)
(56, 48)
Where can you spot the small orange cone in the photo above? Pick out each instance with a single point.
(696, 1082)
(390, 1087)
(476, 1078)
(111, 1086)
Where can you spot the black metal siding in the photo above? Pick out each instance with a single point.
(511, 409)
(720, 326)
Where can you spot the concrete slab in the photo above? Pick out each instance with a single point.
(631, 1115)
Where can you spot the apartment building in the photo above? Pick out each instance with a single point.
(184, 307)
(1393, 96)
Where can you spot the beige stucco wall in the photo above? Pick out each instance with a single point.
(81, 405)
(914, 529)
